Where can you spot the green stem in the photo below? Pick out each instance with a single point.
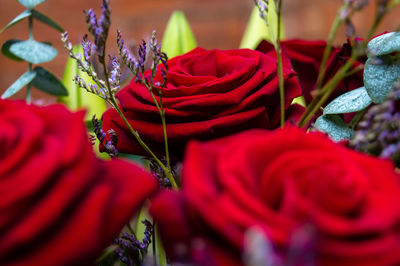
(28, 98)
(153, 244)
(161, 253)
(357, 118)
(337, 22)
(280, 66)
(30, 27)
(113, 102)
(164, 125)
(325, 92)
(277, 45)
(29, 85)
(144, 146)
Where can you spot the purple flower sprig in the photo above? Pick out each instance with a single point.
(132, 251)
(99, 28)
(99, 87)
(108, 86)
(127, 58)
(107, 140)
(378, 132)
(137, 66)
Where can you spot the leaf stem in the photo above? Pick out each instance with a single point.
(337, 22)
(325, 92)
(28, 98)
(167, 172)
(280, 66)
(113, 102)
(161, 111)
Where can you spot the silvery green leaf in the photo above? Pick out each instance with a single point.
(334, 126)
(384, 44)
(43, 18)
(33, 51)
(19, 84)
(352, 101)
(47, 82)
(5, 50)
(31, 3)
(17, 19)
(380, 74)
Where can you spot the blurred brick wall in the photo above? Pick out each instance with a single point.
(216, 24)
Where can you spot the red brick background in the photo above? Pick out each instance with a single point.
(216, 23)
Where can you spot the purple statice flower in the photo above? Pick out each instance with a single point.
(87, 48)
(107, 140)
(130, 250)
(142, 55)
(115, 74)
(378, 133)
(99, 28)
(127, 58)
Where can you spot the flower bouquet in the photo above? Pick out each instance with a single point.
(284, 153)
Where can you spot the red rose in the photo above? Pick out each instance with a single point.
(59, 204)
(280, 181)
(306, 57)
(208, 94)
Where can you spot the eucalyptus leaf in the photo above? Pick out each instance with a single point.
(384, 44)
(47, 82)
(5, 50)
(33, 51)
(178, 36)
(43, 18)
(352, 101)
(17, 19)
(379, 78)
(23, 80)
(334, 126)
(31, 3)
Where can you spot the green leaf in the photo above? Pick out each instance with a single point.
(23, 80)
(31, 3)
(257, 30)
(43, 18)
(300, 100)
(17, 19)
(384, 44)
(380, 74)
(178, 36)
(334, 126)
(79, 98)
(5, 50)
(33, 51)
(47, 82)
(352, 101)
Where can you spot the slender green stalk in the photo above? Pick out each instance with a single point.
(357, 118)
(113, 102)
(280, 66)
(161, 253)
(153, 244)
(28, 98)
(275, 40)
(325, 92)
(161, 111)
(145, 147)
(331, 37)
(30, 25)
